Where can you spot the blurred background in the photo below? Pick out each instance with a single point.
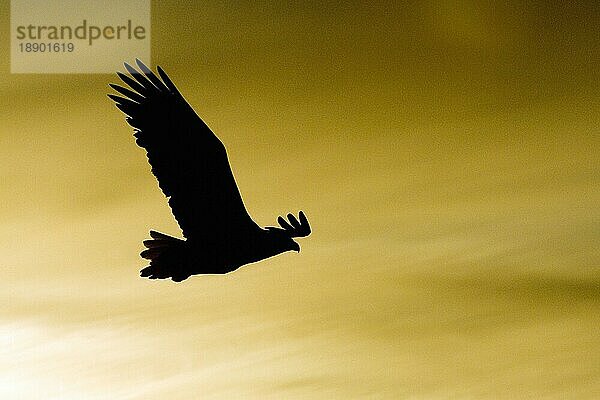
(445, 153)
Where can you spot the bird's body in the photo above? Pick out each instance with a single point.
(192, 169)
(184, 258)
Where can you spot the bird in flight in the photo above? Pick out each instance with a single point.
(191, 166)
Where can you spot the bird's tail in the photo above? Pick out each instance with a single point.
(167, 257)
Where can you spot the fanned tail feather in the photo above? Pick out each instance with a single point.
(166, 254)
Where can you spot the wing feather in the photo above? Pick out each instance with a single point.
(127, 93)
(188, 160)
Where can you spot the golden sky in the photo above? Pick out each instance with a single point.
(446, 154)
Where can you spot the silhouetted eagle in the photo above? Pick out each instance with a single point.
(191, 166)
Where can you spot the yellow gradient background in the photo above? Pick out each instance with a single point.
(446, 154)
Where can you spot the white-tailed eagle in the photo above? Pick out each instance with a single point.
(191, 166)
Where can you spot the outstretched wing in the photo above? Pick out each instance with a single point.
(188, 160)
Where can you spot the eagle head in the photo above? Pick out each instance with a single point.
(283, 237)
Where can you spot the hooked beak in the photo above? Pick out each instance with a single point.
(296, 247)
